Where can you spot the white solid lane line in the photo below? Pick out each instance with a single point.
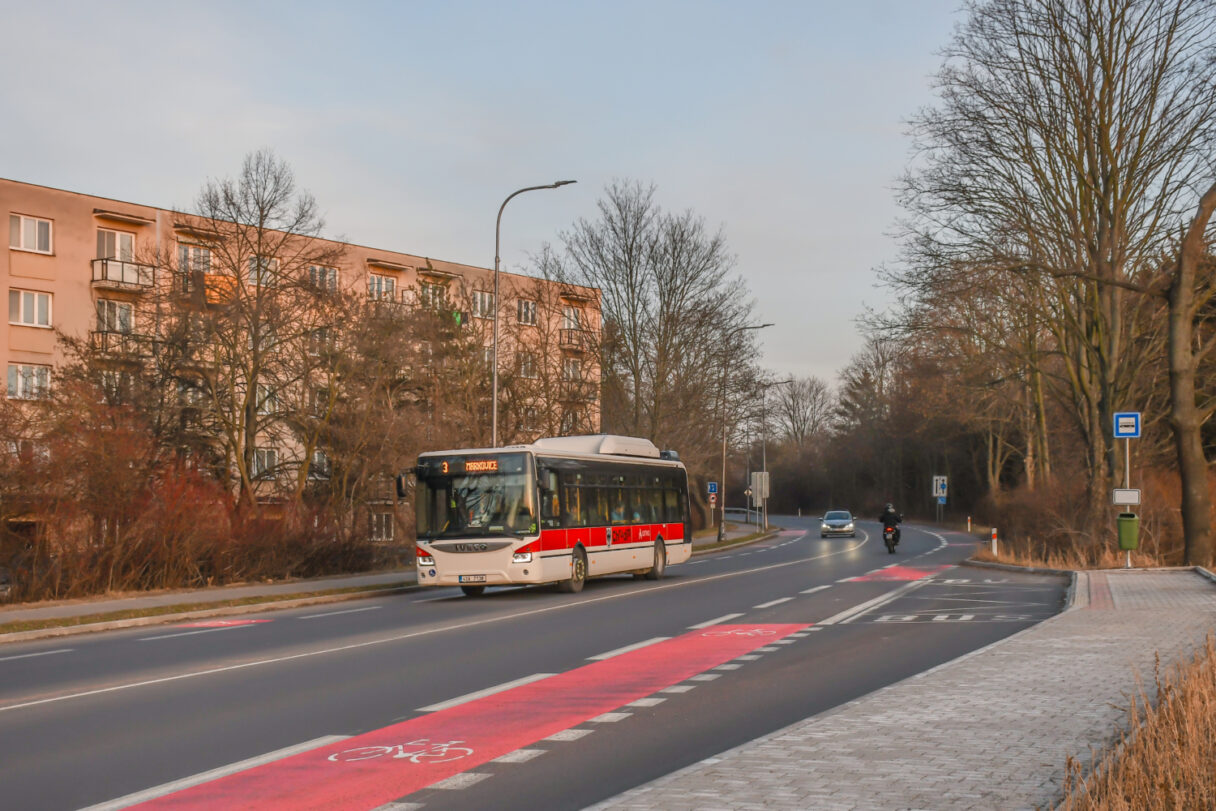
(772, 603)
(627, 649)
(203, 777)
(31, 655)
(849, 614)
(336, 613)
(715, 621)
(817, 588)
(489, 691)
(192, 633)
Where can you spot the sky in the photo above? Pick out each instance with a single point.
(781, 123)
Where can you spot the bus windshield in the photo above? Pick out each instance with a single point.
(466, 496)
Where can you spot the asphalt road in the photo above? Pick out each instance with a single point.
(724, 649)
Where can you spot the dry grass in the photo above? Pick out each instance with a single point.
(1167, 757)
(1041, 556)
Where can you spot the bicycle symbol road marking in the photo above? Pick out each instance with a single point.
(430, 752)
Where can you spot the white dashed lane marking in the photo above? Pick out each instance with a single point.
(772, 603)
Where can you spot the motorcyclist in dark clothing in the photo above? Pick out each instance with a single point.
(890, 518)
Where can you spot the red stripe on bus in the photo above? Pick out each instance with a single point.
(474, 733)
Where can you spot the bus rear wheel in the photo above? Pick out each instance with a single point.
(578, 573)
(473, 591)
(660, 561)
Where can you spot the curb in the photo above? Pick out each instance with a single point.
(161, 619)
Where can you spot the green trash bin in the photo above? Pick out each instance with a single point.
(1129, 531)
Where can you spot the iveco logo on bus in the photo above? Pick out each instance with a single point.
(470, 547)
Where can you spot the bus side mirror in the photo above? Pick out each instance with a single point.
(403, 481)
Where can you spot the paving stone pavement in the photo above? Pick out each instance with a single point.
(991, 729)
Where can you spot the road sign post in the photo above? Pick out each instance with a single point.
(940, 491)
(1127, 428)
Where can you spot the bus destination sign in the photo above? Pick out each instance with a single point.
(481, 466)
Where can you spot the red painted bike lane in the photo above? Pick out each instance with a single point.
(471, 734)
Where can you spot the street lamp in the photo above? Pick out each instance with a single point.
(722, 487)
(494, 352)
(764, 437)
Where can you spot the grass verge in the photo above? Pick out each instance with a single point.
(180, 608)
(1167, 757)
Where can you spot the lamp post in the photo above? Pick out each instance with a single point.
(764, 438)
(494, 351)
(722, 487)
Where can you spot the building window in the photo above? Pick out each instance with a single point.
(28, 382)
(268, 402)
(319, 341)
(113, 316)
(572, 369)
(570, 317)
(483, 304)
(381, 288)
(527, 312)
(29, 233)
(320, 467)
(381, 526)
(29, 308)
(323, 278)
(531, 419)
(318, 401)
(190, 392)
(527, 365)
(118, 245)
(265, 460)
(193, 258)
(263, 270)
(434, 296)
(116, 385)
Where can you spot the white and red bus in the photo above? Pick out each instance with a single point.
(557, 511)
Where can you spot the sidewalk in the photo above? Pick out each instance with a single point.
(206, 602)
(991, 729)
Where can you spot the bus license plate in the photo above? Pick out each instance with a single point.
(472, 578)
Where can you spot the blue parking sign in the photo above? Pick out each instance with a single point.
(713, 487)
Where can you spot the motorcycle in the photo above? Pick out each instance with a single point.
(889, 538)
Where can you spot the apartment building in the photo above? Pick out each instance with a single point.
(87, 266)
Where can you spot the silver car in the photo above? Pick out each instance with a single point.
(837, 522)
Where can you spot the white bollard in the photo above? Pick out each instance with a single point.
(994, 542)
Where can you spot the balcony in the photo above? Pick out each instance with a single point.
(579, 340)
(209, 288)
(115, 274)
(120, 344)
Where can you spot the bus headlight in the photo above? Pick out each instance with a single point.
(521, 557)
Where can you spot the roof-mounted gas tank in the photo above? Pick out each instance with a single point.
(610, 444)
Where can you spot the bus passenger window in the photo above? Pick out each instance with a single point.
(671, 507)
(573, 516)
(619, 514)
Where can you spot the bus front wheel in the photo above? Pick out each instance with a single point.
(578, 573)
(660, 561)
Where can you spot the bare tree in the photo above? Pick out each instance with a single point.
(1066, 144)
(804, 410)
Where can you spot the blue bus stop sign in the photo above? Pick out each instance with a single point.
(713, 487)
(1127, 425)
